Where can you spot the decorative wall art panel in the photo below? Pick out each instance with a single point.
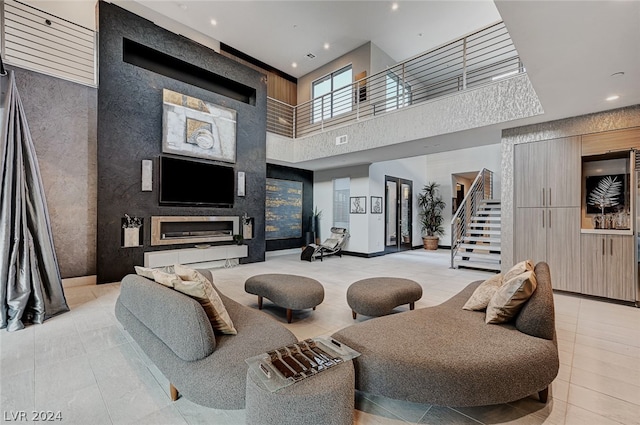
(193, 127)
(606, 194)
(283, 215)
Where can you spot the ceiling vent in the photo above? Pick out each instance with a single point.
(341, 140)
(311, 56)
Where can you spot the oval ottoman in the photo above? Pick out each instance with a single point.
(286, 290)
(378, 296)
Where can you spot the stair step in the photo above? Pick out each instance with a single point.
(488, 212)
(490, 201)
(478, 265)
(482, 225)
(480, 256)
(480, 239)
(485, 218)
(480, 247)
(471, 232)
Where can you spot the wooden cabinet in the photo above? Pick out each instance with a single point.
(551, 235)
(608, 266)
(547, 173)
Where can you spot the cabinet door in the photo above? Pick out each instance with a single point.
(529, 235)
(620, 267)
(593, 248)
(563, 248)
(564, 168)
(530, 174)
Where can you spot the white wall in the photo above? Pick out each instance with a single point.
(323, 200)
(380, 60)
(440, 166)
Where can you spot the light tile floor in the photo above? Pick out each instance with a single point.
(85, 366)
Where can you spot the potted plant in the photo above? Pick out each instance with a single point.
(431, 206)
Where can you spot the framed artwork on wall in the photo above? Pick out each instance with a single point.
(376, 205)
(193, 127)
(283, 213)
(358, 205)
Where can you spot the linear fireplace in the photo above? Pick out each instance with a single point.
(173, 230)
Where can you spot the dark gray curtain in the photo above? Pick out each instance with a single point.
(30, 283)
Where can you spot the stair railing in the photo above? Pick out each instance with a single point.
(482, 188)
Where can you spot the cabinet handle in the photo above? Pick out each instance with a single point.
(603, 246)
(549, 219)
(543, 219)
(549, 196)
(611, 246)
(543, 204)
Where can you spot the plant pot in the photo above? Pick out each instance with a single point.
(430, 242)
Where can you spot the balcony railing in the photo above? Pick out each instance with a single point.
(483, 57)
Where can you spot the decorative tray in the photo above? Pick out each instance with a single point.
(286, 365)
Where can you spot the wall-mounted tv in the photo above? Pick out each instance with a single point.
(195, 183)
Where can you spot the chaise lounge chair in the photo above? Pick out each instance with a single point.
(333, 245)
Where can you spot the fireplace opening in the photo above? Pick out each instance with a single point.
(189, 229)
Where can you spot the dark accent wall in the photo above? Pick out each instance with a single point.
(300, 175)
(130, 130)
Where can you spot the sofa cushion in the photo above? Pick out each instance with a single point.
(483, 293)
(509, 299)
(196, 285)
(517, 269)
(537, 317)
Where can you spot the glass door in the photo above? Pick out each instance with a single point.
(398, 215)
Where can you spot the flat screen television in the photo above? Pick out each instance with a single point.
(195, 183)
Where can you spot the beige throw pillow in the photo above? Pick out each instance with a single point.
(509, 299)
(521, 267)
(167, 279)
(144, 272)
(483, 293)
(196, 285)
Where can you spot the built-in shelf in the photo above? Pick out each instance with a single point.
(608, 231)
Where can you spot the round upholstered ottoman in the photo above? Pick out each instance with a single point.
(325, 398)
(377, 296)
(286, 290)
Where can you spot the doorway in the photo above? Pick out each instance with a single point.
(460, 183)
(398, 228)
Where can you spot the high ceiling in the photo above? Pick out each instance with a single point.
(280, 33)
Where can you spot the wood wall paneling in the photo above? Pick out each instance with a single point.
(608, 141)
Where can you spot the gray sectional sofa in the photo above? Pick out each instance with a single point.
(448, 356)
(174, 331)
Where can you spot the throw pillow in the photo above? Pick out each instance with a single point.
(144, 272)
(509, 299)
(521, 267)
(166, 279)
(196, 285)
(483, 293)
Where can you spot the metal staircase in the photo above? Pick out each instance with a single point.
(475, 228)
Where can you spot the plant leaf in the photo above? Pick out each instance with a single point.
(606, 193)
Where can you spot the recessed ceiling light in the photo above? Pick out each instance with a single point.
(612, 98)
(214, 22)
(294, 65)
(326, 46)
(394, 6)
(182, 6)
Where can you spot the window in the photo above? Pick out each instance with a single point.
(398, 92)
(341, 202)
(332, 94)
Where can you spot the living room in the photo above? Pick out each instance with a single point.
(93, 192)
